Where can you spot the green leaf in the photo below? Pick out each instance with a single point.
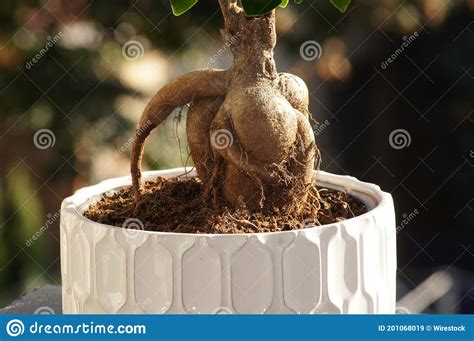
(341, 4)
(181, 6)
(284, 3)
(254, 8)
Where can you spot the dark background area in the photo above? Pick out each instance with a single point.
(89, 96)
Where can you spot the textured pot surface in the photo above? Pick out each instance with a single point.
(346, 267)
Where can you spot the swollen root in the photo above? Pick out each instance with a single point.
(266, 159)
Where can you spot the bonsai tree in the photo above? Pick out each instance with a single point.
(254, 151)
(248, 127)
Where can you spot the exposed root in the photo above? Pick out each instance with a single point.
(194, 84)
(267, 164)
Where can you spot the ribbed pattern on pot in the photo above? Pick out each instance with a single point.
(346, 267)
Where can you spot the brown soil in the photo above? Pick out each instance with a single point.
(175, 205)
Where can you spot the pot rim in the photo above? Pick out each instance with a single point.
(370, 194)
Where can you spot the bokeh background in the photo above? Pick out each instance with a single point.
(70, 96)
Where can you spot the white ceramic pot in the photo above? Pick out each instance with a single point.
(346, 267)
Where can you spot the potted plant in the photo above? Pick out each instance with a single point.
(248, 231)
